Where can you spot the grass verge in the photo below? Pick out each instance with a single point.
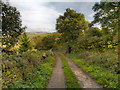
(30, 71)
(71, 80)
(102, 76)
(40, 77)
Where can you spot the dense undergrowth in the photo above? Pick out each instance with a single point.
(71, 81)
(27, 70)
(100, 66)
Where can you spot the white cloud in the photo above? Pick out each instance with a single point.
(98, 25)
(90, 20)
(35, 14)
(92, 14)
(57, 0)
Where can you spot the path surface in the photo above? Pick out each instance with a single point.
(58, 78)
(84, 80)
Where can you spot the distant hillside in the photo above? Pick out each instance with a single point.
(36, 32)
(30, 35)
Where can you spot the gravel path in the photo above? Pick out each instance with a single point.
(84, 80)
(58, 78)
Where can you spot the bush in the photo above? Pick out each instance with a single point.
(25, 43)
(29, 71)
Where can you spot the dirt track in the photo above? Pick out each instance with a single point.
(84, 80)
(58, 78)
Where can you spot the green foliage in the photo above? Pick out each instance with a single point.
(25, 43)
(76, 35)
(71, 80)
(9, 76)
(37, 42)
(107, 60)
(107, 14)
(11, 25)
(28, 72)
(49, 42)
(91, 39)
(6, 57)
(71, 24)
(93, 31)
(40, 76)
(39, 79)
(45, 41)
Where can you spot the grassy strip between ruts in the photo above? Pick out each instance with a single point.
(103, 77)
(71, 81)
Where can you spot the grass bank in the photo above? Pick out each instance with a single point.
(105, 77)
(71, 81)
(29, 71)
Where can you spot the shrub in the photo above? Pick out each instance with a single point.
(25, 43)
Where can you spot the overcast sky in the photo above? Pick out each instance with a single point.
(41, 15)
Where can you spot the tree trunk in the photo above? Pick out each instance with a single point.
(69, 49)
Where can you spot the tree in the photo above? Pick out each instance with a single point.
(71, 24)
(94, 31)
(25, 43)
(37, 42)
(107, 14)
(91, 39)
(11, 25)
(49, 41)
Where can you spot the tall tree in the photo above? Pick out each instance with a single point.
(91, 39)
(11, 25)
(107, 14)
(71, 24)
